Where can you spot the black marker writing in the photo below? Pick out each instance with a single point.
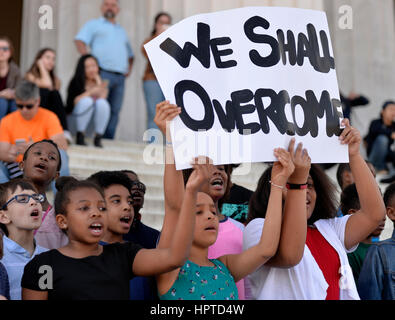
(231, 117)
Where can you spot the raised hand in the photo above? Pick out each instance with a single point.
(165, 112)
(96, 91)
(7, 94)
(302, 162)
(41, 63)
(201, 174)
(282, 168)
(352, 137)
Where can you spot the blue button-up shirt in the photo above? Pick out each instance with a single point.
(109, 43)
(377, 278)
(14, 260)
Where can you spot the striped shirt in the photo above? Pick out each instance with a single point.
(13, 170)
(14, 260)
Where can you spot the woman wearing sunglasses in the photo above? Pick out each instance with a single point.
(9, 77)
(20, 216)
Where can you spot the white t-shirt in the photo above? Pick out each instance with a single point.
(304, 281)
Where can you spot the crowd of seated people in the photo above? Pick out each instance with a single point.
(291, 238)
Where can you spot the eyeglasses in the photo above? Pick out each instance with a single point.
(5, 49)
(24, 198)
(139, 186)
(27, 106)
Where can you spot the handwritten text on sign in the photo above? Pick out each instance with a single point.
(250, 78)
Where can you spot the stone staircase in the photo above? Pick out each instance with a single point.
(148, 164)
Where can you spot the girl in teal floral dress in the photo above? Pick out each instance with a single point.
(201, 278)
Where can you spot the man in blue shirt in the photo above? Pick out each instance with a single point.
(109, 43)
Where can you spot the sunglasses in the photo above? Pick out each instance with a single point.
(24, 198)
(5, 49)
(27, 106)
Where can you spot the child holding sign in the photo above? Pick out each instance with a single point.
(201, 277)
(230, 232)
(311, 262)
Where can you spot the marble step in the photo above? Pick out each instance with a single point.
(99, 164)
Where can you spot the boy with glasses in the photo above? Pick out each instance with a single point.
(20, 216)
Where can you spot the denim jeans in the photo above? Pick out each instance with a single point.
(153, 95)
(6, 107)
(380, 152)
(377, 278)
(64, 169)
(116, 88)
(4, 175)
(87, 110)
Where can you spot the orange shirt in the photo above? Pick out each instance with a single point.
(44, 125)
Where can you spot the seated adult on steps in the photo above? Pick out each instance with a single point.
(9, 77)
(87, 100)
(42, 73)
(380, 137)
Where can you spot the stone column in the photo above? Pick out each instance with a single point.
(364, 55)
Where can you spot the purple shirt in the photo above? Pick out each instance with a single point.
(49, 235)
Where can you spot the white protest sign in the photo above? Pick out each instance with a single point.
(248, 80)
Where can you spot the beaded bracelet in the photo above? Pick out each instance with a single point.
(276, 185)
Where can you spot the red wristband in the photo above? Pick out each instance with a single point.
(293, 186)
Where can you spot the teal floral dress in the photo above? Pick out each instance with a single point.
(195, 282)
